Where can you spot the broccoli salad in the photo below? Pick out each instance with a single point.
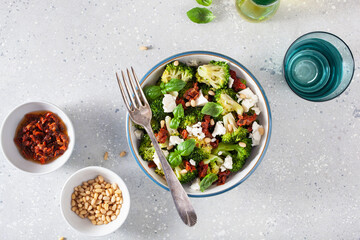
(205, 121)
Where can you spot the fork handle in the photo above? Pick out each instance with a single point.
(181, 199)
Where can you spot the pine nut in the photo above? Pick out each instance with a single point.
(187, 104)
(109, 212)
(192, 103)
(170, 147)
(123, 154)
(98, 190)
(114, 186)
(230, 128)
(106, 198)
(113, 217)
(211, 93)
(261, 130)
(101, 179)
(108, 219)
(176, 63)
(113, 199)
(242, 96)
(100, 223)
(212, 122)
(73, 203)
(73, 196)
(97, 186)
(113, 207)
(207, 140)
(108, 185)
(242, 144)
(143, 48)
(162, 123)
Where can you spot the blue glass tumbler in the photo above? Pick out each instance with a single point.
(318, 66)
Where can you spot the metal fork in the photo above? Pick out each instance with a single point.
(140, 113)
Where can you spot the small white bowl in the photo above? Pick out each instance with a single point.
(84, 226)
(10, 150)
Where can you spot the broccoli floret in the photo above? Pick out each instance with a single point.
(199, 154)
(192, 115)
(184, 176)
(181, 71)
(215, 74)
(234, 136)
(229, 91)
(238, 154)
(204, 88)
(157, 109)
(159, 172)
(214, 163)
(146, 149)
(155, 125)
(230, 104)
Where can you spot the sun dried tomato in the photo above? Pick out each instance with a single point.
(205, 126)
(238, 84)
(41, 137)
(245, 119)
(192, 93)
(215, 144)
(184, 134)
(203, 169)
(189, 167)
(152, 165)
(222, 177)
(180, 101)
(162, 135)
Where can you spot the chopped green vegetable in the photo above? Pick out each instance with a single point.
(215, 74)
(180, 71)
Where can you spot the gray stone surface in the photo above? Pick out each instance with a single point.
(66, 52)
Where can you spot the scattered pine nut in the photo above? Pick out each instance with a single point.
(106, 155)
(261, 130)
(61, 238)
(207, 140)
(211, 93)
(143, 48)
(187, 104)
(122, 154)
(176, 63)
(170, 147)
(212, 122)
(192, 103)
(242, 144)
(162, 123)
(207, 97)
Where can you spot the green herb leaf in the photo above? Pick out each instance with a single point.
(207, 181)
(152, 92)
(174, 123)
(174, 85)
(174, 159)
(212, 109)
(204, 2)
(178, 111)
(200, 15)
(186, 147)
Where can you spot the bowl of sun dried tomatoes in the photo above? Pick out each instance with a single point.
(37, 137)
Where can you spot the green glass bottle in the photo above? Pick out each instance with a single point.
(257, 10)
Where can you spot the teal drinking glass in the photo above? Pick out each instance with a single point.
(318, 66)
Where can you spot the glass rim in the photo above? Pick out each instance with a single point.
(267, 5)
(352, 74)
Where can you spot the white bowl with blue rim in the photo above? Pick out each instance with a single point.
(257, 153)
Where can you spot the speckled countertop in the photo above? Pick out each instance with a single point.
(66, 52)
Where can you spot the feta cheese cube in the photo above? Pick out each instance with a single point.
(196, 185)
(174, 140)
(201, 100)
(219, 129)
(255, 135)
(157, 160)
(231, 82)
(192, 162)
(196, 131)
(169, 102)
(250, 99)
(138, 134)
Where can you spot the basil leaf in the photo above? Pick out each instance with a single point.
(174, 159)
(174, 123)
(207, 181)
(178, 111)
(152, 92)
(174, 85)
(200, 15)
(212, 109)
(204, 2)
(186, 147)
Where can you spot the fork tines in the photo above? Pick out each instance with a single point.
(134, 93)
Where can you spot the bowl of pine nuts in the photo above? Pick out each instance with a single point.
(95, 201)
